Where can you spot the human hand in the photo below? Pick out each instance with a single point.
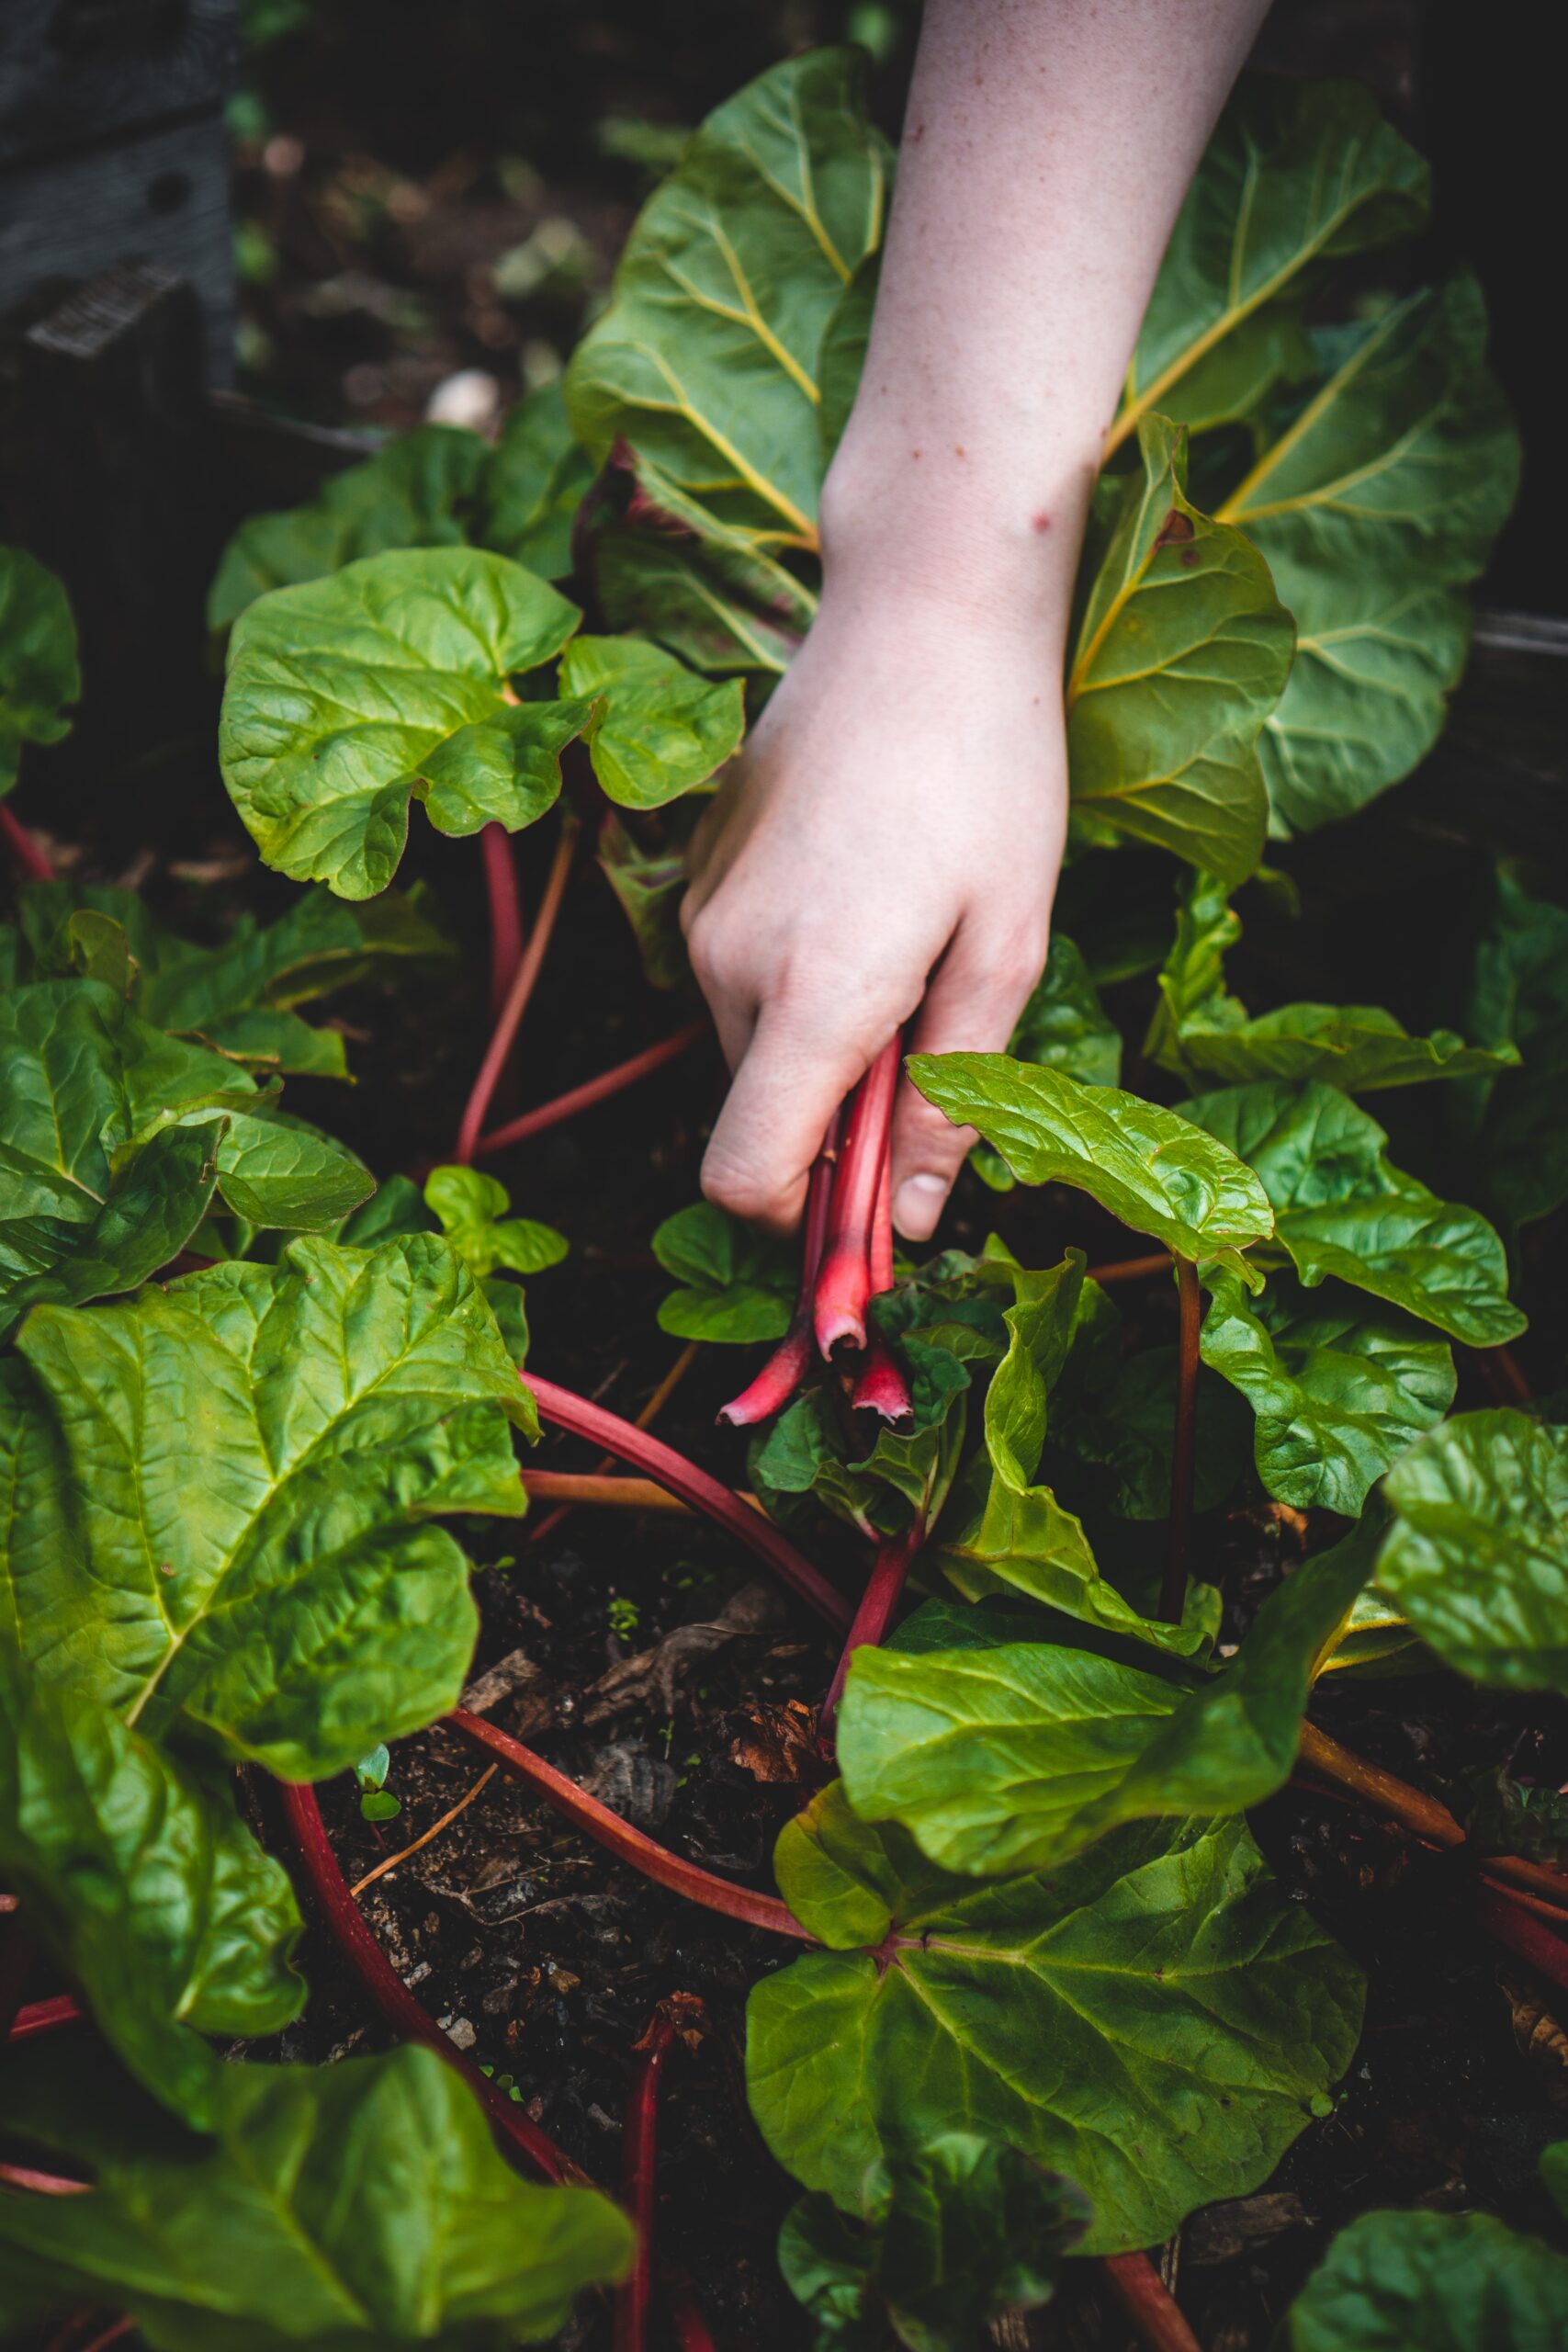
(887, 847)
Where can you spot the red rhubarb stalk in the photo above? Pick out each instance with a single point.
(628, 1845)
(42, 2184)
(639, 2168)
(1509, 1924)
(791, 1360)
(591, 1091)
(43, 2017)
(1184, 1450)
(896, 1556)
(1149, 2303)
(880, 1385)
(504, 1036)
(844, 1282)
(505, 913)
(23, 848)
(691, 2331)
(672, 1471)
(363, 1955)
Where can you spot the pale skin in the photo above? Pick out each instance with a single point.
(887, 849)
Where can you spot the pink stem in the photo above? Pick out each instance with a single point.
(397, 2004)
(880, 1385)
(42, 2184)
(1148, 2302)
(504, 1037)
(639, 2181)
(691, 2331)
(505, 913)
(1510, 1924)
(23, 847)
(896, 1556)
(844, 1282)
(672, 1471)
(591, 1091)
(628, 1845)
(792, 1359)
(43, 2017)
(879, 1252)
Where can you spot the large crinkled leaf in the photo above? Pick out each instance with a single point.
(1477, 1556)
(736, 1285)
(1518, 1125)
(1065, 1026)
(39, 670)
(278, 1173)
(348, 697)
(1158, 1172)
(668, 569)
(1432, 2283)
(1154, 2021)
(415, 492)
(156, 1196)
(1341, 1208)
(1339, 1389)
(1181, 654)
(145, 1888)
(335, 2207)
(533, 484)
(1296, 174)
(948, 2238)
(1373, 505)
(1199, 1029)
(220, 1499)
(663, 729)
(472, 1209)
(706, 357)
(1017, 1758)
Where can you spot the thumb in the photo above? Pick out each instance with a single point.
(974, 998)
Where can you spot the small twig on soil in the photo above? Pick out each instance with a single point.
(1183, 1448)
(672, 1470)
(1147, 2301)
(591, 1091)
(434, 1831)
(43, 2017)
(1416, 1812)
(639, 2162)
(628, 1845)
(505, 913)
(645, 1420)
(607, 1490)
(895, 1558)
(498, 1052)
(23, 848)
(1131, 1270)
(791, 1360)
(392, 1996)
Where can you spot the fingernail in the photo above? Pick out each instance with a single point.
(917, 1205)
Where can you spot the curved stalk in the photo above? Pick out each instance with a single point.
(645, 1420)
(1183, 1448)
(505, 1034)
(1148, 2302)
(1510, 1925)
(773, 1386)
(843, 1283)
(30, 858)
(506, 912)
(363, 1955)
(895, 1558)
(643, 1854)
(639, 2177)
(591, 1091)
(672, 1471)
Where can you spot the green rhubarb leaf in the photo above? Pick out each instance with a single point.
(348, 697)
(905, 1477)
(1340, 1390)
(1018, 1757)
(532, 485)
(143, 1885)
(1199, 1029)
(156, 1195)
(1432, 2283)
(736, 1285)
(649, 880)
(668, 569)
(333, 2207)
(1342, 1209)
(1118, 2022)
(220, 1497)
(1297, 175)
(1517, 1125)
(1477, 1555)
(279, 1173)
(1064, 1027)
(1123, 1433)
(1165, 693)
(947, 2239)
(472, 1210)
(39, 672)
(706, 357)
(663, 731)
(413, 494)
(1158, 1172)
(1373, 505)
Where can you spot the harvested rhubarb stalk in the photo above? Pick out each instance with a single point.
(844, 1280)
